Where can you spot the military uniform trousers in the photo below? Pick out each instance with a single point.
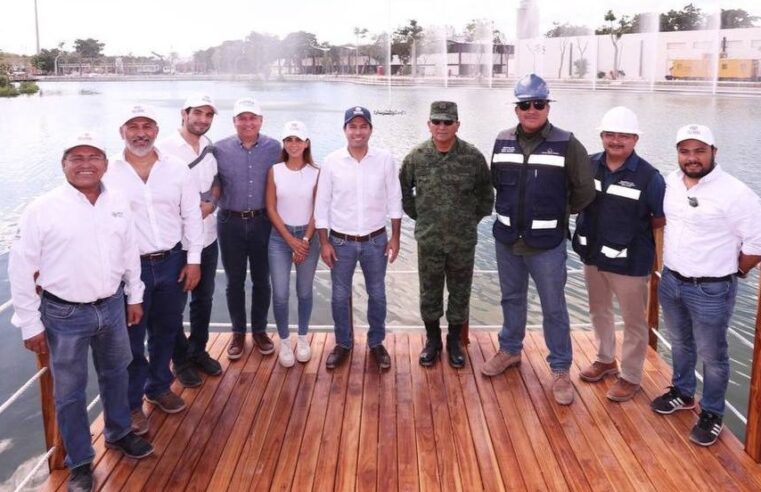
(453, 265)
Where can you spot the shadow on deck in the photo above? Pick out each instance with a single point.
(262, 427)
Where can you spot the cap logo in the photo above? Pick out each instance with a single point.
(137, 109)
(694, 129)
(358, 110)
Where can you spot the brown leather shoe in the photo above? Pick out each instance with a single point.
(598, 370)
(139, 421)
(622, 390)
(263, 343)
(337, 357)
(562, 389)
(499, 362)
(237, 344)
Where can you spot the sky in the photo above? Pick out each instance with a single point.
(140, 27)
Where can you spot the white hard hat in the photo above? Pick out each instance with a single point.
(620, 120)
(695, 132)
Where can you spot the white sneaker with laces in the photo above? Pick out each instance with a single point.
(303, 350)
(285, 357)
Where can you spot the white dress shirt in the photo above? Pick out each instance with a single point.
(706, 240)
(357, 197)
(82, 253)
(166, 207)
(203, 172)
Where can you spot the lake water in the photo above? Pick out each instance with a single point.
(33, 131)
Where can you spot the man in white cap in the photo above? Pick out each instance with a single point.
(711, 238)
(190, 144)
(614, 238)
(164, 200)
(243, 161)
(73, 261)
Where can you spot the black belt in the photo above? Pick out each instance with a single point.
(157, 256)
(359, 239)
(246, 214)
(160, 255)
(700, 280)
(47, 295)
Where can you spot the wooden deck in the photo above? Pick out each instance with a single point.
(262, 427)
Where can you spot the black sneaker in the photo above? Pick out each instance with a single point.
(187, 375)
(80, 479)
(380, 354)
(206, 364)
(672, 401)
(132, 446)
(706, 431)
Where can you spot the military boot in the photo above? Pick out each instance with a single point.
(454, 349)
(432, 347)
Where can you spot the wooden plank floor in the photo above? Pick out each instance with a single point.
(262, 427)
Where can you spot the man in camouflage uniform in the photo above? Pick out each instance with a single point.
(446, 189)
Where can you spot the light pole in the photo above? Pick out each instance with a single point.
(36, 27)
(55, 64)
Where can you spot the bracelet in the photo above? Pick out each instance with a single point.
(305, 239)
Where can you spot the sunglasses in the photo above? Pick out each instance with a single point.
(442, 122)
(693, 201)
(526, 105)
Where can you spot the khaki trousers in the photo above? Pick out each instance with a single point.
(631, 293)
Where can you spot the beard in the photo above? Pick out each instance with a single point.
(139, 150)
(196, 129)
(704, 171)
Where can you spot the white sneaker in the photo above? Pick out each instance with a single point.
(303, 350)
(285, 357)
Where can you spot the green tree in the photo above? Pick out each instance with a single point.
(359, 33)
(737, 19)
(261, 51)
(690, 18)
(89, 48)
(404, 43)
(44, 61)
(296, 46)
(616, 28)
(565, 30)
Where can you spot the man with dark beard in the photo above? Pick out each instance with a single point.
(711, 238)
(190, 145)
(164, 200)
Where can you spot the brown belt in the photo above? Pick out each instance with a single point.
(359, 239)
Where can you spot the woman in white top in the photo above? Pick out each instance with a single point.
(291, 187)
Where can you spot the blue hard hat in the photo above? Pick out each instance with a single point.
(531, 87)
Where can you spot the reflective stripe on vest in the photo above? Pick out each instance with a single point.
(614, 253)
(544, 224)
(598, 185)
(547, 160)
(512, 158)
(582, 240)
(504, 219)
(623, 191)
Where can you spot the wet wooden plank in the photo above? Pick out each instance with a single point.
(387, 465)
(407, 453)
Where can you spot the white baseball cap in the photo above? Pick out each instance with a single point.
(82, 139)
(198, 100)
(295, 129)
(247, 105)
(139, 111)
(695, 132)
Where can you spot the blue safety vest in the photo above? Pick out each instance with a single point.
(615, 231)
(531, 190)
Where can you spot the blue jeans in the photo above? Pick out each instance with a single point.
(697, 318)
(548, 271)
(244, 241)
(200, 309)
(163, 306)
(280, 261)
(372, 260)
(70, 330)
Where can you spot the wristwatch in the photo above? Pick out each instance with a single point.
(305, 238)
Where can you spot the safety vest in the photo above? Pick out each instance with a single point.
(615, 231)
(531, 190)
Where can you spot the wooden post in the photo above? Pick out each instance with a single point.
(52, 435)
(753, 429)
(652, 293)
